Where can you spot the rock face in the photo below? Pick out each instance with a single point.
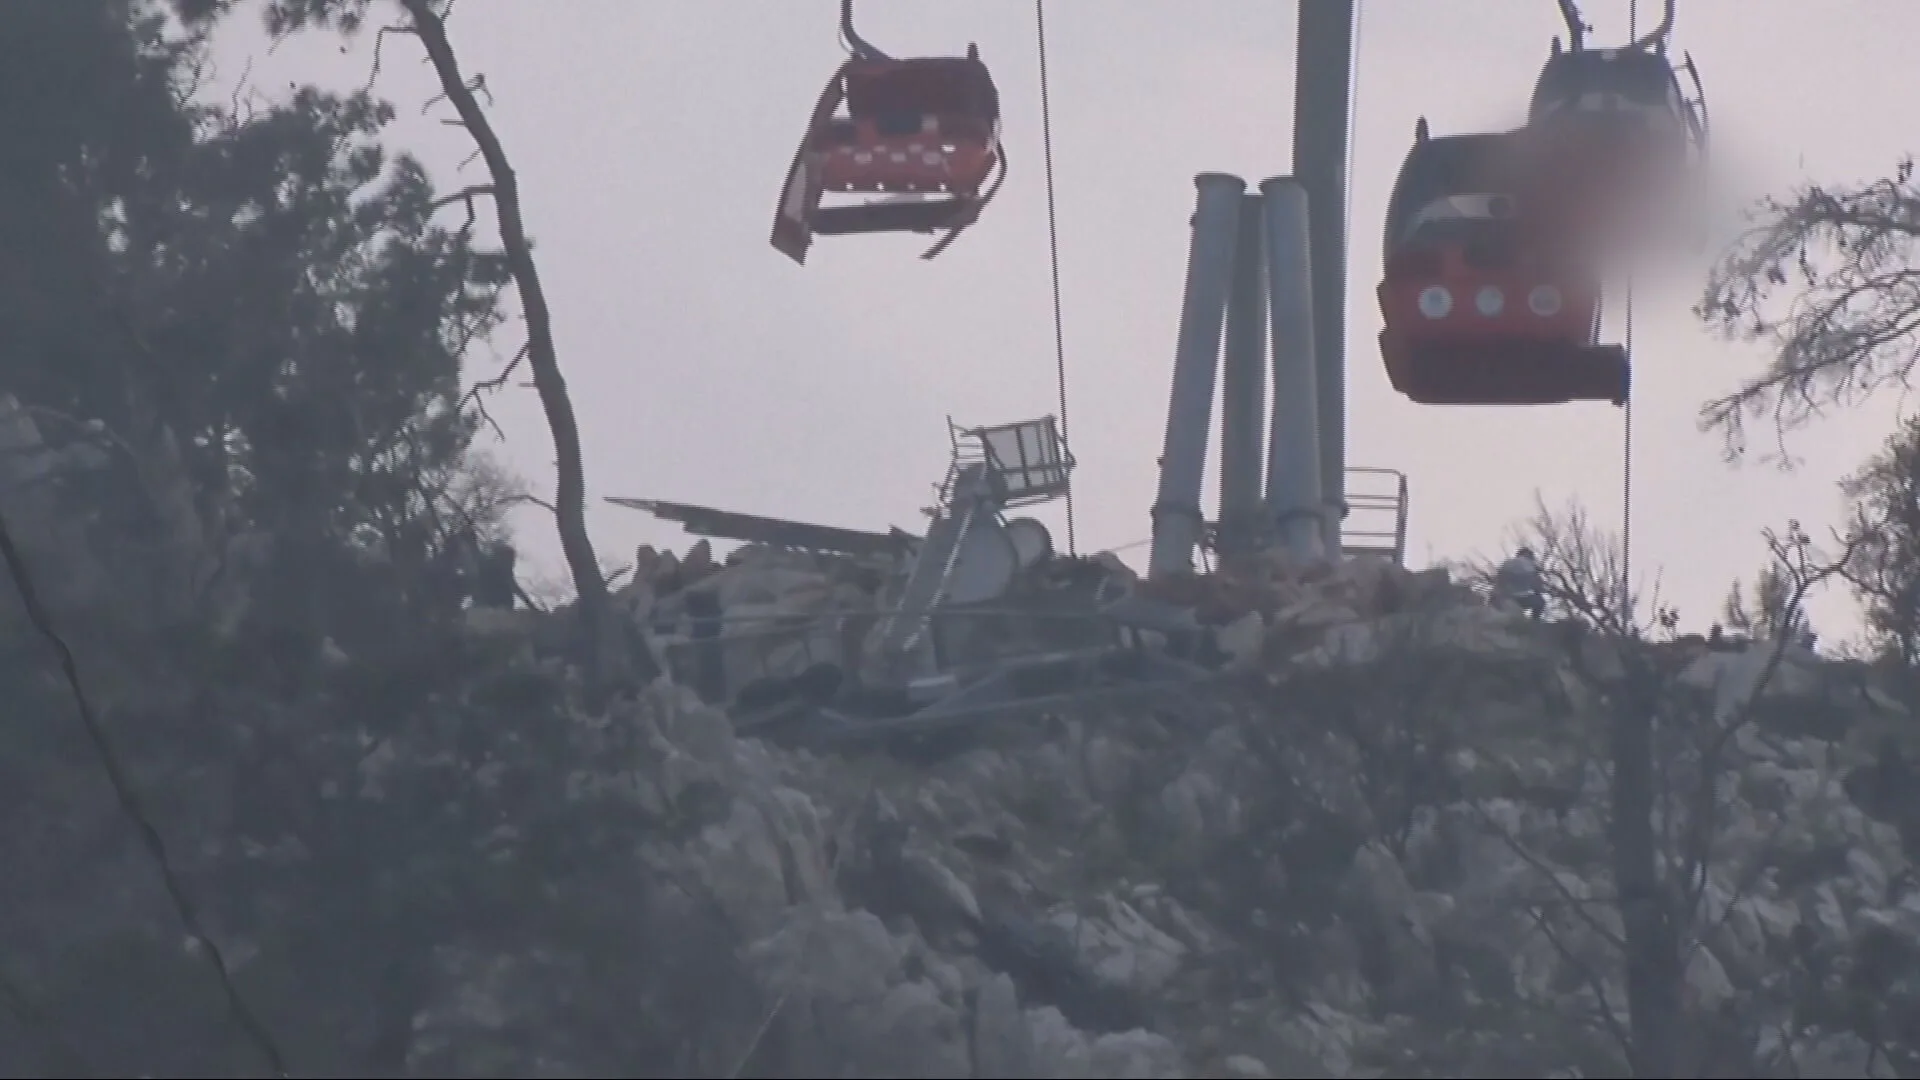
(1377, 843)
(1377, 847)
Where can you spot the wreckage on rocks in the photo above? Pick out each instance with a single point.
(850, 635)
(1339, 819)
(1366, 837)
(1287, 818)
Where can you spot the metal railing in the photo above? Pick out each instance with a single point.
(1376, 514)
(1029, 461)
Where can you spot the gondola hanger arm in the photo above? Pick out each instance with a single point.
(860, 47)
(1576, 26)
(1656, 41)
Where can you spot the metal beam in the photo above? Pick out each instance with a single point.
(1177, 523)
(1294, 494)
(1322, 108)
(1243, 392)
(777, 532)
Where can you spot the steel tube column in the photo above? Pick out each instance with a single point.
(1323, 84)
(1177, 521)
(1294, 476)
(1243, 386)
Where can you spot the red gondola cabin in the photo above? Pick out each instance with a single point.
(1612, 138)
(1479, 307)
(924, 134)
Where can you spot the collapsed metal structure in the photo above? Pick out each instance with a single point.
(1266, 272)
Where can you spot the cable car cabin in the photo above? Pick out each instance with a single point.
(1632, 91)
(923, 134)
(1612, 128)
(1478, 307)
(1473, 316)
(1449, 165)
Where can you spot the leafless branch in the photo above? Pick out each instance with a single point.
(1848, 260)
(1806, 569)
(1577, 904)
(472, 328)
(611, 655)
(475, 84)
(379, 39)
(1603, 1008)
(465, 195)
(474, 398)
(1582, 571)
(1581, 574)
(1749, 877)
(233, 99)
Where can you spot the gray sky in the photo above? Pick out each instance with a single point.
(651, 137)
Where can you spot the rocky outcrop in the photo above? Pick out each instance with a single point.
(1377, 845)
(1373, 841)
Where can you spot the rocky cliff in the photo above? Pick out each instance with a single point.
(1373, 842)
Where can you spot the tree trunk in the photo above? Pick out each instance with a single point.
(598, 622)
(1646, 912)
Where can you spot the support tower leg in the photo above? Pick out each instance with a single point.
(1177, 521)
(1322, 105)
(1244, 521)
(1295, 478)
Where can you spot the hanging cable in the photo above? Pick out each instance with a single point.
(122, 785)
(1626, 466)
(1353, 114)
(1053, 254)
(1626, 435)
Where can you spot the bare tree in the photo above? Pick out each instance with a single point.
(426, 20)
(598, 619)
(1884, 526)
(1829, 277)
(1767, 608)
(1581, 574)
(1669, 751)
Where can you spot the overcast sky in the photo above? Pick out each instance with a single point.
(651, 138)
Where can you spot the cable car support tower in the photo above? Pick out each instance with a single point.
(1268, 268)
(1267, 271)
